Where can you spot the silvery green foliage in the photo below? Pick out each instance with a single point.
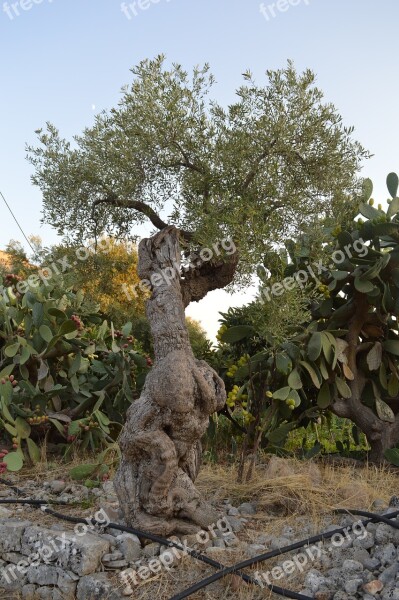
(276, 159)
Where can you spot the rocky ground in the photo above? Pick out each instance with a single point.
(109, 564)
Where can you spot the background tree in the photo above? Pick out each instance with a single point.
(14, 260)
(103, 276)
(276, 159)
(340, 354)
(201, 345)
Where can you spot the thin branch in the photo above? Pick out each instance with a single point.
(187, 162)
(252, 174)
(143, 209)
(227, 414)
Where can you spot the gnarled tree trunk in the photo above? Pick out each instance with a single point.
(161, 440)
(381, 435)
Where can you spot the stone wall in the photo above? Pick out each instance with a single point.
(57, 564)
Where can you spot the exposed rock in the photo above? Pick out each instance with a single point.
(255, 549)
(129, 545)
(365, 542)
(247, 508)
(109, 489)
(352, 585)
(385, 534)
(378, 505)
(230, 540)
(11, 533)
(314, 580)
(288, 531)
(352, 566)
(79, 553)
(236, 524)
(111, 509)
(280, 542)
(97, 587)
(389, 574)
(116, 564)
(392, 593)
(386, 554)
(43, 575)
(151, 550)
(265, 538)
(29, 592)
(361, 565)
(233, 512)
(373, 587)
(323, 595)
(57, 486)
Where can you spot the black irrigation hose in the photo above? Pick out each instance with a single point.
(169, 543)
(272, 554)
(373, 516)
(139, 533)
(223, 571)
(148, 536)
(142, 534)
(13, 487)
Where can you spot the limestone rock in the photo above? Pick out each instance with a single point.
(97, 587)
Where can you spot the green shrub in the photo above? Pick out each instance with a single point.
(65, 374)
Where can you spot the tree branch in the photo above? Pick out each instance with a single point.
(141, 207)
(187, 162)
(252, 174)
(227, 414)
(206, 277)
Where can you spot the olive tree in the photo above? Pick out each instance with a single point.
(206, 177)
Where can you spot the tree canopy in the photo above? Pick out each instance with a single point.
(276, 159)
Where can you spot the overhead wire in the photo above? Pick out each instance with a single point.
(16, 221)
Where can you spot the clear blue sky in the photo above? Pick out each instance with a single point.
(62, 58)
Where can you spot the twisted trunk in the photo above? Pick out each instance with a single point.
(161, 440)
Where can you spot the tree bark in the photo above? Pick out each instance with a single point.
(161, 440)
(381, 435)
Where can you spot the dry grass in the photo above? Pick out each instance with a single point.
(312, 489)
(308, 495)
(54, 467)
(49, 469)
(305, 492)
